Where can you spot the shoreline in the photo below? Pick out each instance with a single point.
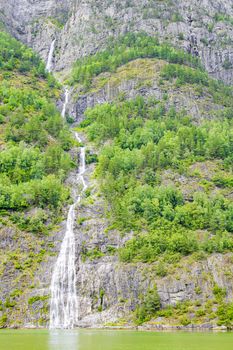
(149, 328)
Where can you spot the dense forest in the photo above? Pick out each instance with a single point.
(146, 140)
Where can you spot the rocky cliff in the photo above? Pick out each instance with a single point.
(83, 27)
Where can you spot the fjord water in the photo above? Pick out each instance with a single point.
(112, 340)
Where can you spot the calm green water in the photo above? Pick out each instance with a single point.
(112, 340)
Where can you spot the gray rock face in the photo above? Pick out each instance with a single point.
(82, 27)
(31, 20)
(123, 286)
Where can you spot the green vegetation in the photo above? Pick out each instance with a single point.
(3, 321)
(146, 140)
(216, 312)
(223, 17)
(91, 157)
(33, 138)
(186, 75)
(9, 303)
(59, 23)
(101, 296)
(219, 292)
(36, 298)
(15, 56)
(91, 254)
(123, 50)
(150, 303)
(225, 315)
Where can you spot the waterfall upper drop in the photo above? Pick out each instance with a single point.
(63, 113)
(64, 303)
(49, 64)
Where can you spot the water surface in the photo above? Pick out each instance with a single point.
(112, 340)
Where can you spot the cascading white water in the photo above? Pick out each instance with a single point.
(63, 113)
(50, 56)
(63, 304)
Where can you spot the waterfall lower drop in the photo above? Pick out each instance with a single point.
(64, 304)
(50, 56)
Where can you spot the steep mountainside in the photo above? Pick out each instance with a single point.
(82, 27)
(154, 242)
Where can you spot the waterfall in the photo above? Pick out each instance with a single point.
(64, 304)
(50, 56)
(63, 113)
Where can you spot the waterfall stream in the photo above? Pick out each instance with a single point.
(64, 304)
(63, 113)
(50, 56)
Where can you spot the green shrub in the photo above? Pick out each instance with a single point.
(3, 321)
(91, 254)
(91, 157)
(148, 307)
(185, 321)
(184, 74)
(225, 315)
(9, 303)
(219, 292)
(36, 298)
